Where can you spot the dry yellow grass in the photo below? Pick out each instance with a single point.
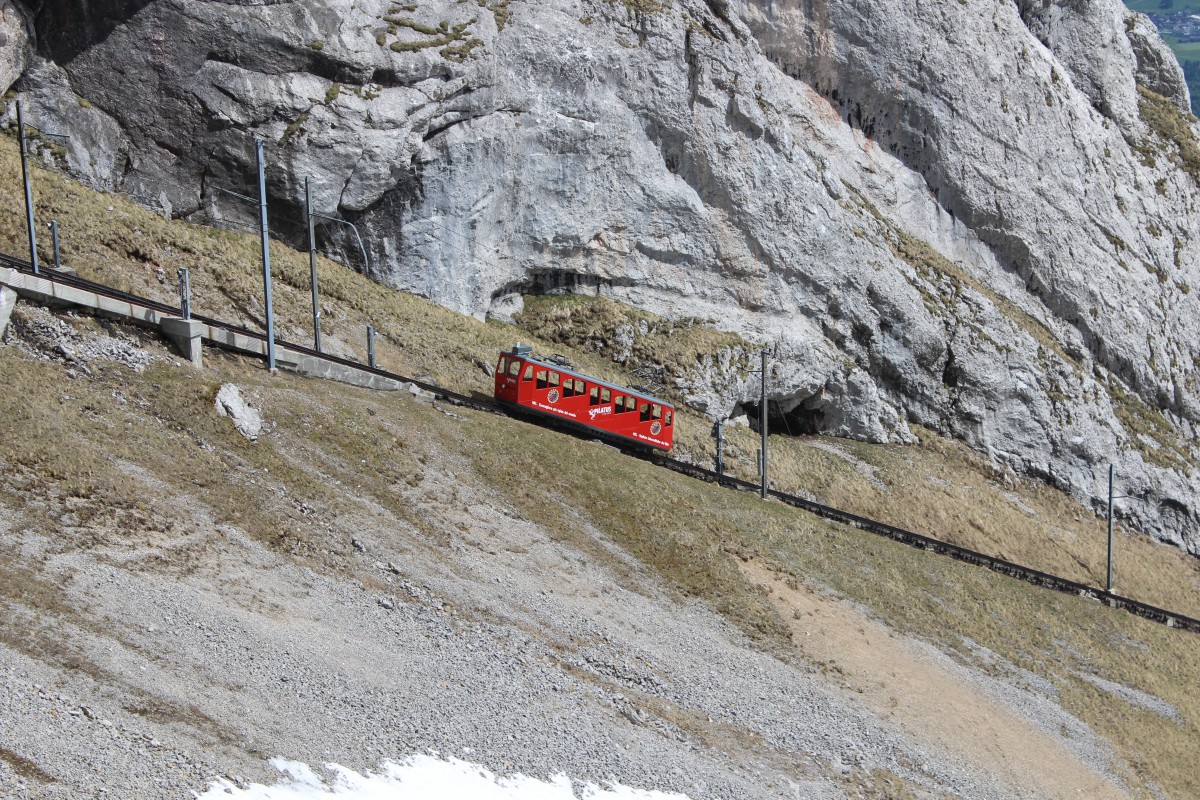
(945, 490)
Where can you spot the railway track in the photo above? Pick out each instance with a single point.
(1021, 572)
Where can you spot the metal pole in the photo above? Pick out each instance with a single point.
(312, 264)
(54, 239)
(762, 424)
(33, 259)
(185, 294)
(266, 253)
(371, 346)
(1108, 586)
(721, 448)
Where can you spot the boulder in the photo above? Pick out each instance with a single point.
(246, 420)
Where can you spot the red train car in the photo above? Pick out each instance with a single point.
(553, 389)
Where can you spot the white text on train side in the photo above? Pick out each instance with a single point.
(552, 409)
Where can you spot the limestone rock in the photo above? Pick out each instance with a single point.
(246, 420)
(94, 149)
(1157, 68)
(15, 48)
(1090, 40)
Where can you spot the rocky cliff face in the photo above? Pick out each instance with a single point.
(974, 217)
(14, 43)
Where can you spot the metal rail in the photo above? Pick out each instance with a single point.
(920, 541)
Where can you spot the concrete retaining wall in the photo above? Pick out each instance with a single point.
(186, 335)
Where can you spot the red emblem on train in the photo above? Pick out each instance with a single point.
(551, 387)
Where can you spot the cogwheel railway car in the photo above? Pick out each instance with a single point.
(551, 388)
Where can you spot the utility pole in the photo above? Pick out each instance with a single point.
(1108, 585)
(720, 448)
(312, 264)
(310, 215)
(33, 257)
(762, 425)
(371, 346)
(266, 253)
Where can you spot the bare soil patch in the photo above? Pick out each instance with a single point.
(899, 681)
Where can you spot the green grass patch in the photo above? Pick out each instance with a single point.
(455, 41)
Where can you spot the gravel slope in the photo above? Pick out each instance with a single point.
(192, 650)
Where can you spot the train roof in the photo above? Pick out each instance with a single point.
(528, 356)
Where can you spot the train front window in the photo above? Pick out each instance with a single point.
(514, 369)
(670, 415)
(541, 379)
(503, 365)
(528, 373)
(656, 411)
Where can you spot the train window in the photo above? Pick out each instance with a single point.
(605, 396)
(568, 388)
(554, 378)
(541, 379)
(645, 411)
(594, 396)
(620, 405)
(669, 416)
(514, 368)
(503, 365)
(528, 373)
(579, 387)
(656, 411)
(631, 403)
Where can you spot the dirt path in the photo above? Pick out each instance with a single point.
(911, 689)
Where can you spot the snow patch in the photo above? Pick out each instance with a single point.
(420, 777)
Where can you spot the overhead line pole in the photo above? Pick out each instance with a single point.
(1108, 584)
(266, 253)
(33, 254)
(312, 264)
(762, 426)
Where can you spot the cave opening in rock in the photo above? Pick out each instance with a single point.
(556, 281)
(796, 421)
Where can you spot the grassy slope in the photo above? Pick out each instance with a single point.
(58, 450)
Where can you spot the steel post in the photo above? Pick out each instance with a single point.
(266, 253)
(720, 448)
(33, 255)
(1108, 585)
(371, 346)
(185, 294)
(762, 424)
(312, 264)
(54, 241)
